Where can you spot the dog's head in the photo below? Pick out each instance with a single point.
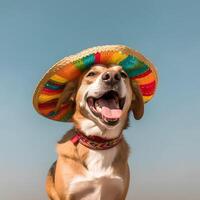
(104, 96)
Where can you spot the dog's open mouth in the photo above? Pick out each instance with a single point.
(107, 107)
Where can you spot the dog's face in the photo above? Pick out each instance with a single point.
(104, 97)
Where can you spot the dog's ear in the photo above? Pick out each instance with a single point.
(68, 94)
(137, 105)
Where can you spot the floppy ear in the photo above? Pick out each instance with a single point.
(137, 104)
(68, 95)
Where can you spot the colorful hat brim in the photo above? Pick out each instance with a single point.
(50, 88)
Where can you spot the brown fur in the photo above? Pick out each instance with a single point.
(71, 158)
(137, 102)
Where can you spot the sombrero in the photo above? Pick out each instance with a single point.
(52, 85)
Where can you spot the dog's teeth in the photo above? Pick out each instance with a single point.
(98, 109)
(113, 119)
(105, 119)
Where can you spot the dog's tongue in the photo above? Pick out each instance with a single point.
(109, 109)
(111, 113)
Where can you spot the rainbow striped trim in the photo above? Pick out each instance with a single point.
(138, 68)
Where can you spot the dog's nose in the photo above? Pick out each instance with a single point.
(111, 77)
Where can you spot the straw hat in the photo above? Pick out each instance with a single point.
(69, 69)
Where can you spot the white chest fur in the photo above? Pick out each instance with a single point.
(99, 163)
(99, 177)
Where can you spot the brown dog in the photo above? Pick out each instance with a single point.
(97, 170)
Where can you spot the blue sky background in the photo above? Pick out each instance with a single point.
(165, 162)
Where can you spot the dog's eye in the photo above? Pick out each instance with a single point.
(91, 74)
(123, 74)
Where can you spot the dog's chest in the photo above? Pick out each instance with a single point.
(99, 180)
(99, 163)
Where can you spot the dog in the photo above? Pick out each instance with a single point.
(92, 159)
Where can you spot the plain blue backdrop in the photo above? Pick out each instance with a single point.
(165, 147)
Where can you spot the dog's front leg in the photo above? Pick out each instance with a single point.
(126, 182)
(50, 187)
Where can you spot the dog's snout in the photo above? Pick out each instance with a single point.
(117, 76)
(111, 77)
(106, 77)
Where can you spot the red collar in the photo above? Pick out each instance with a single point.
(95, 142)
